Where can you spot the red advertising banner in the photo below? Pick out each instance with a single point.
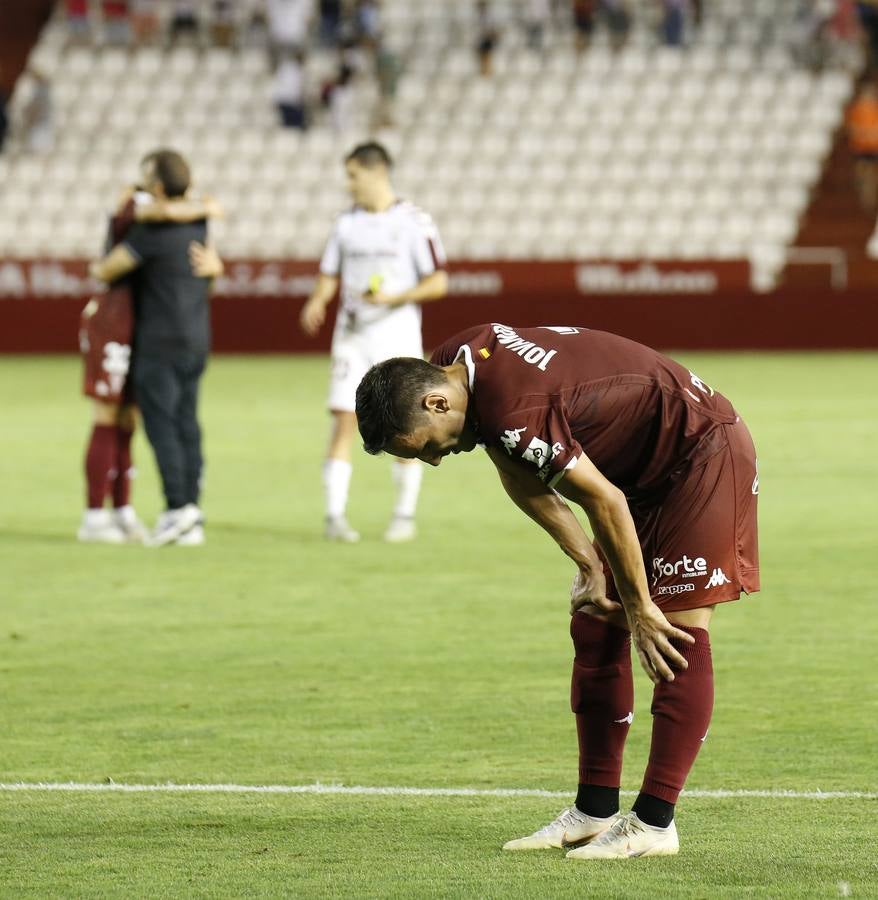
(679, 304)
(48, 278)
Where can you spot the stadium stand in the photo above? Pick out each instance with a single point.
(652, 152)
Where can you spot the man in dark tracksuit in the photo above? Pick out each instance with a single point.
(172, 268)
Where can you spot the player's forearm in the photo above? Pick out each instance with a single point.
(433, 287)
(556, 518)
(117, 263)
(324, 291)
(615, 534)
(178, 211)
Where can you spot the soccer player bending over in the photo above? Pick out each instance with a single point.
(666, 473)
(388, 258)
(105, 340)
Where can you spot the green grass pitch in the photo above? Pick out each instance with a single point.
(268, 657)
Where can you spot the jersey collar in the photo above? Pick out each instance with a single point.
(467, 355)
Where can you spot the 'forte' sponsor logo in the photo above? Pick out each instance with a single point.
(607, 278)
(682, 568)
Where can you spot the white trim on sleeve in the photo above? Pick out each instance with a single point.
(574, 460)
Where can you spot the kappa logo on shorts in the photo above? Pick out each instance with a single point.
(676, 588)
(682, 568)
(717, 579)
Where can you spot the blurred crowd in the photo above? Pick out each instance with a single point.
(288, 29)
(352, 32)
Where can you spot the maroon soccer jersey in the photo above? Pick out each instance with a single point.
(545, 395)
(652, 427)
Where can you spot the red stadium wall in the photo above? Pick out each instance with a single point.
(674, 305)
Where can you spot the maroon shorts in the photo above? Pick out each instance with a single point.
(105, 330)
(700, 545)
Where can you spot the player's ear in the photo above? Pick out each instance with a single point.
(436, 403)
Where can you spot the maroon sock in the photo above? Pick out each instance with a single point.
(681, 712)
(122, 468)
(602, 696)
(99, 460)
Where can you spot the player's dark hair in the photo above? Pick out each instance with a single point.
(370, 154)
(171, 170)
(389, 398)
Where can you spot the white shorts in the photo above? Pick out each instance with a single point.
(355, 352)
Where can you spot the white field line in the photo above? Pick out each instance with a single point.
(170, 788)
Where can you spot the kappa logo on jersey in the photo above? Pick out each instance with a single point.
(717, 579)
(541, 454)
(511, 437)
(527, 350)
(754, 488)
(701, 386)
(682, 568)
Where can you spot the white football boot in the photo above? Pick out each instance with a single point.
(570, 829)
(194, 537)
(127, 521)
(338, 530)
(173, 524)
(99, 527)
(629, 838)
(400, 530)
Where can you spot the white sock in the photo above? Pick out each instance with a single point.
(407, 478)
(336, 481)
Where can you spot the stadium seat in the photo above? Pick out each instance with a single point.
(730, 138)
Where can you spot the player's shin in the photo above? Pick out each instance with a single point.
(100, 458)
(602, 696)
(681, 711)
(122, 468)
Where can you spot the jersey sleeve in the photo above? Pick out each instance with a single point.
(120, 222)
(539, 437)
(445, 354)
(427, 250)
(330, 262)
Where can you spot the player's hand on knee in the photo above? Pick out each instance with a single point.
(652, 633)
(615, 617)
(589, 588)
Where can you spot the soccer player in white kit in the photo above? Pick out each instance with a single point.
(388, 257)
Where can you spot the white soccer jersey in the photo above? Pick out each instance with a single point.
(393, 249)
